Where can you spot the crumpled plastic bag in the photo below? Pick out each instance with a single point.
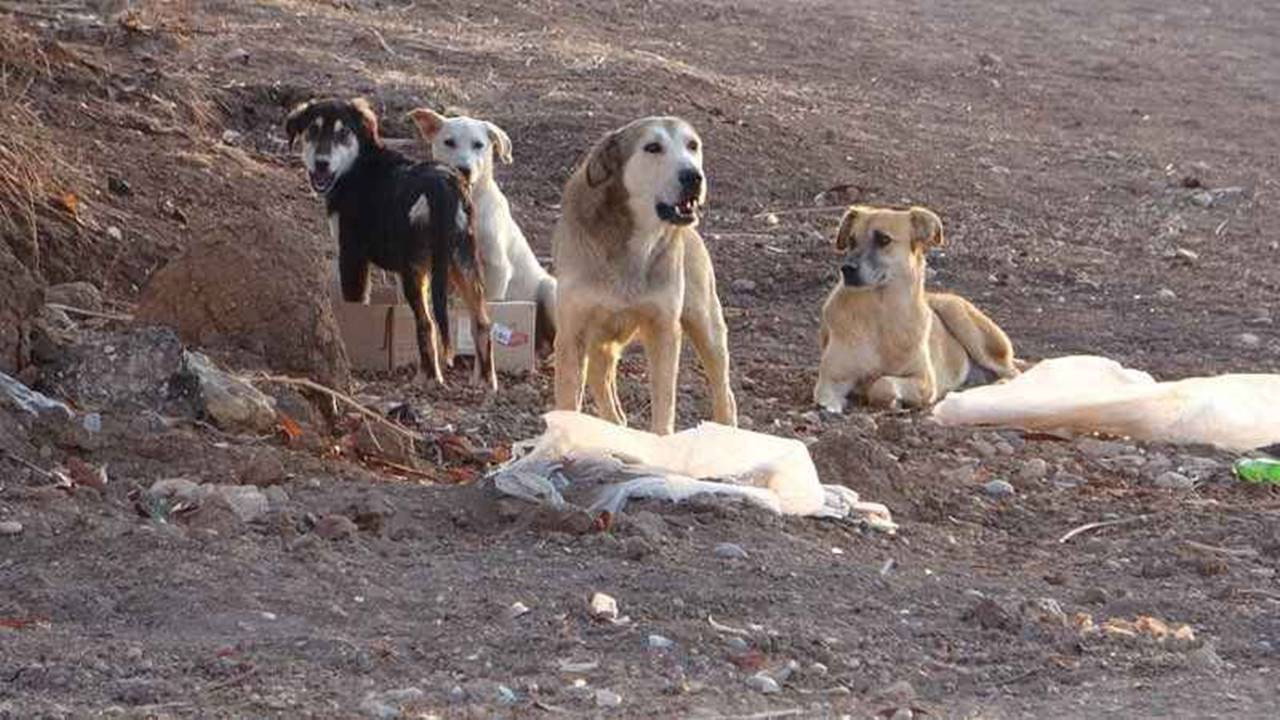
(1086, 394)
(603, 465)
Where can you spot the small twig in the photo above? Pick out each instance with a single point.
(344, 398)
(27, 464)
(89, 313)
(1259, 592)
(235, 679)
(1232, 552)
(726, 629)
(383, 42)
(1101, 524)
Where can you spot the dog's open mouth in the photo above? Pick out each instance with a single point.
(321, 180)
(684, 212)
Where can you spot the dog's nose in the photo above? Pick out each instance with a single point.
(849, 272)
(465, 170)
(322, 165)
(690, 179)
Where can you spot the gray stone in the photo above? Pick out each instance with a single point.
(606, 698)
(660, 642)
(730, 551)
(762, 683)
(231, 403)
(983, 448)
(743, 285)
(1205, 659)
(1167, 294)
(277, 498)
(128, 370)
(1033, 469)
(10, 527)
(335, 527)
(1248, 340)
(998, 489)
(1204, 199)
(1174, 481)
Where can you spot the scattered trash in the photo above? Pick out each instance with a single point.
(1090, 394)
(601, 466)
(506, 695)
(1259, 471)
(516, 610)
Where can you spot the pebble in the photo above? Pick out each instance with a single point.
(998, 489)
(1096, 448)
(115, 233)
(737, 644)
(119, 186)
(1005, 448)
(1167, 294)
(743, 285)
(1204, 198)
(659, 642)
(730, 551)
(1174, 481)
(1066, 480)
(335, 527)
(606, 698)
(771, 219)
(10, 527)
(1033, 469)
(1248, 340)
(983, 448)
(506, 695)
(1185, 255)
(762, 683)
(903, 713)
(1205, 658)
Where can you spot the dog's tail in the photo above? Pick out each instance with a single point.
(986, 343)
(440, 297)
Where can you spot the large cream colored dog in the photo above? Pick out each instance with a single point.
(883, 336)
(630, 264)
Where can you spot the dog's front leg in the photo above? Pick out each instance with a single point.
(414, 284)
(571, 363)
(662, 350)
(602, 381)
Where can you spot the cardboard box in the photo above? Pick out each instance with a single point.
(381, 336)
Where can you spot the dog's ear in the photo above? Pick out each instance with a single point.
(501, 142)
(844, 235)
(605, 160)
(298, 119)
(367, 118)
(926, 228)
(428, 121)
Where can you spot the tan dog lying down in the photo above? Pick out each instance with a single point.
(883, 336)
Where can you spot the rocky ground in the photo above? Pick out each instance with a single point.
(183, 533)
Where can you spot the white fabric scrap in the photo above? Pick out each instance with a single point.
(613, 464)
(1088, 394)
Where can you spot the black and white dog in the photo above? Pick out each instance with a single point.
(411, 218)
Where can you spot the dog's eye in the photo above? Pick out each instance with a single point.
(693, 146)
(882, 238)
(343, 134)
(653, 148)
(450, 143)
(477, 145)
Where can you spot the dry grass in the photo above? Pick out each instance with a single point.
(32, 170)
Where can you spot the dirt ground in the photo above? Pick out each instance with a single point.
(1107, 175)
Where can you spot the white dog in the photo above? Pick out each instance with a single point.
(511, 270)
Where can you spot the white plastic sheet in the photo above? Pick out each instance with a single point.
(614, 464)
(1084, 394)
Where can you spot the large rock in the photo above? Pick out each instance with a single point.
(256, 284)
(119, 370)
(229, 402)
(19, 305)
